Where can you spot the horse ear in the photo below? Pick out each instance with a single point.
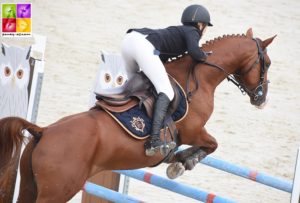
(268, 41)
(249, 33)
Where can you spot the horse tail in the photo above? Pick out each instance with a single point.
(11, 138)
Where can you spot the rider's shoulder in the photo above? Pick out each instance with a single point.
(185, 28)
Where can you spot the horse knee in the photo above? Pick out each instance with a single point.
(214, 146)
(211, 145)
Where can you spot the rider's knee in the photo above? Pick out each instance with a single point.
(169, 92)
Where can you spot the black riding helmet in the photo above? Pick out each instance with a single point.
(194, 14)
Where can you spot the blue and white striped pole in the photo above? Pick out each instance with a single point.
(174, 186)
(108, 194)
(248, 173)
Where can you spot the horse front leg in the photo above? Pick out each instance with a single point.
(188, 158)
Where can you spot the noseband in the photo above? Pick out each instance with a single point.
(256, 93)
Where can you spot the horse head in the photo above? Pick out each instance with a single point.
(241, 58)
(252, 74)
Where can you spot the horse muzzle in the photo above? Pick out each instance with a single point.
(258, 100)
(262, 105)
(259, 94)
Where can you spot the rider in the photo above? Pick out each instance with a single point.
(147, 49)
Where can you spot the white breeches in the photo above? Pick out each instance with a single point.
(138, 55)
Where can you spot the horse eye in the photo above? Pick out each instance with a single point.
(20, 74)
(120, 80)
(7, 71)
(107, 77)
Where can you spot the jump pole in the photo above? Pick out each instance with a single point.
(248, 173)
(174, 186)
(108, 194)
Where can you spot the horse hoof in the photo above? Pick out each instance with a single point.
(175, 170)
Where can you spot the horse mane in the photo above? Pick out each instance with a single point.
(209, 43)
(217, 39)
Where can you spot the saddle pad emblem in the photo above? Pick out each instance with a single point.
(138, 124)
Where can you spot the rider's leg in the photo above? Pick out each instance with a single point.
(128, 55)
(138, 54)
(154, 69)
(137, 48)
(160, 109)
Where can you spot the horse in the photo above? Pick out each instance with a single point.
(59, 158)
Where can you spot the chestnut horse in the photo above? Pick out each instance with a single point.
(59, 158)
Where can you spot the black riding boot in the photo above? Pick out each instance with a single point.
(160, 109)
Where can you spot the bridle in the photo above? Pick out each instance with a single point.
(256, 93)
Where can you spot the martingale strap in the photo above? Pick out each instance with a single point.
(191, 75)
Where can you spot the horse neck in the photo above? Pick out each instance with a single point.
(229, 52)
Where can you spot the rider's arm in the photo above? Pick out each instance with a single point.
(192, 42)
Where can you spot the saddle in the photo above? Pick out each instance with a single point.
(133, 109)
